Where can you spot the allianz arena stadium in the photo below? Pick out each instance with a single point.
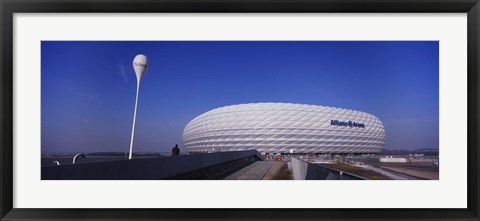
(284, 128)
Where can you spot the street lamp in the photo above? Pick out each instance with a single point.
(140, 66)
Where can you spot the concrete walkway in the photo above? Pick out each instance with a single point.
(254, 171)
(279, 171)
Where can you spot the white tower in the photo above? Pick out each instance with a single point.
(140, 66)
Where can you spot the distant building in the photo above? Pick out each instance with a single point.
(284, 128)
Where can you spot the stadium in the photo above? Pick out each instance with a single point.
(284, 128)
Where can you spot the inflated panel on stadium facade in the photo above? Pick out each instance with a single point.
(281, 127)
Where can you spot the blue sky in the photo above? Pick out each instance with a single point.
(88, 87)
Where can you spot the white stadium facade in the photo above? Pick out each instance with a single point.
(284, 128)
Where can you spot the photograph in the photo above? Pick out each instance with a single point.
(239, 110)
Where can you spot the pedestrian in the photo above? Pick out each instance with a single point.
(175, 150)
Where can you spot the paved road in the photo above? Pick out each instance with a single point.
(419, 170)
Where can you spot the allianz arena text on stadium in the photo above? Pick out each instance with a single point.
(284, 128)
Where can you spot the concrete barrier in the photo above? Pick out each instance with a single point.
(308, 171)
(393, 160)
(144, 169)
(299, 169)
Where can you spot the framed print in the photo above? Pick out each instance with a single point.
(230, 109)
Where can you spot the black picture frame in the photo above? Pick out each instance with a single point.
(9, 7)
